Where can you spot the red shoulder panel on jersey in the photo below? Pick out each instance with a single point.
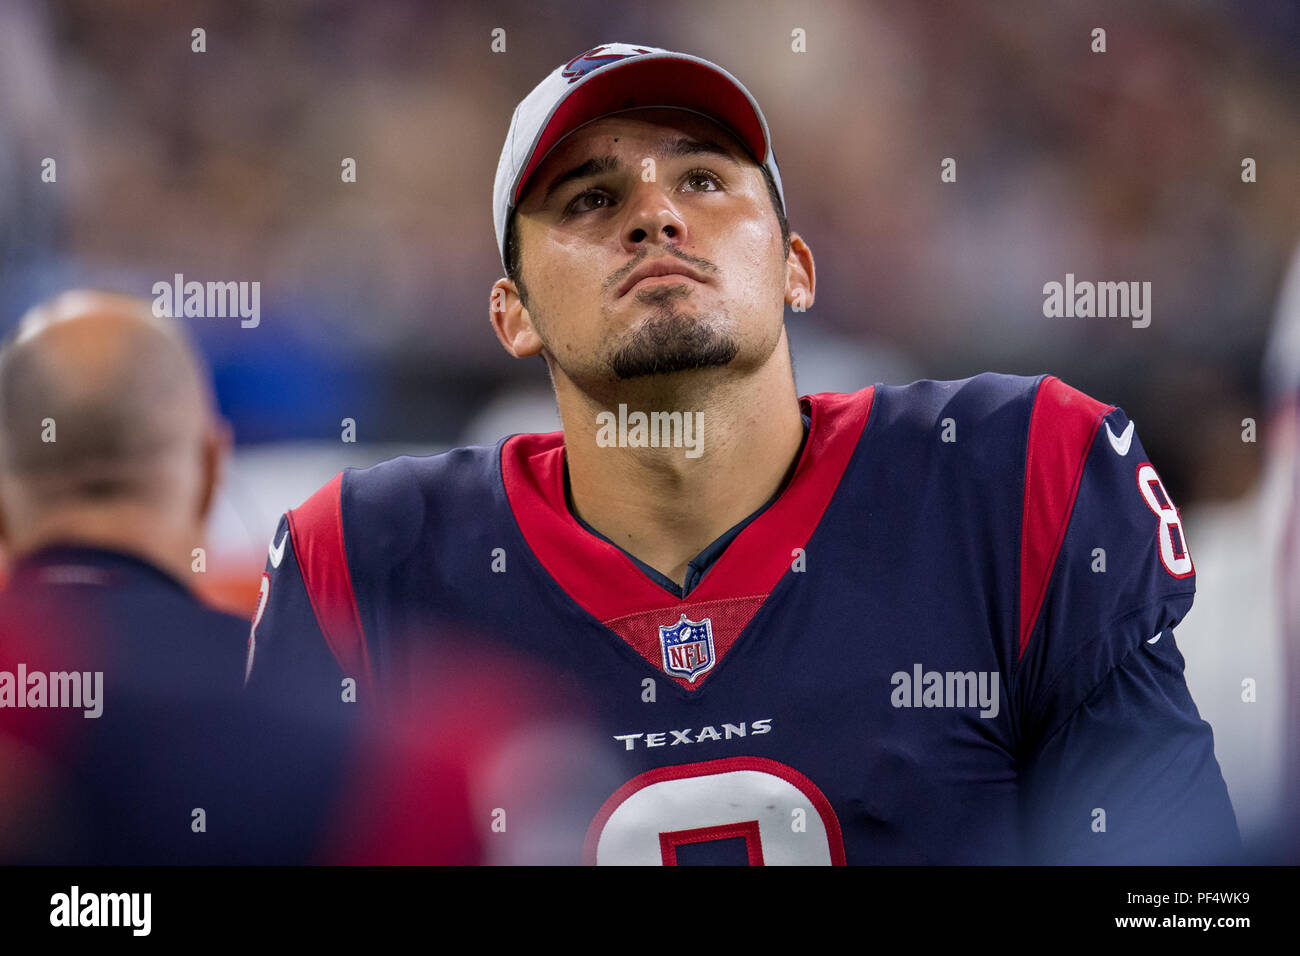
(1062, 428)
(316, 528)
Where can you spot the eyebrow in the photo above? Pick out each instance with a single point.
(668, 149)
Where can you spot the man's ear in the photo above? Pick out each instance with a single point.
(217, 443)
(800, 276)
(511, 321)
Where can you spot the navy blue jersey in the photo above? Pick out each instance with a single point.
(117, 773)
(948, 640)
(124, 738)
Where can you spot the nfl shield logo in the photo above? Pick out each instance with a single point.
(688, 648)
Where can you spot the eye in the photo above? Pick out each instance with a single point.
(704, 176)
(582, 202)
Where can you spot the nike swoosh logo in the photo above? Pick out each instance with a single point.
(277, 550)
(1122, 442)
(1156, 638)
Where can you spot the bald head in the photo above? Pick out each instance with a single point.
(101, 404)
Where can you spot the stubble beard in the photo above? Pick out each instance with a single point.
(670, 341)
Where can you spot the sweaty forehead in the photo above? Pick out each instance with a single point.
(626, 137)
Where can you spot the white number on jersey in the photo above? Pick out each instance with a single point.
(749, 798)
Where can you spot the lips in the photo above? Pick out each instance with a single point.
(658, 267)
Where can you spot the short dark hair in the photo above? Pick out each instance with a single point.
(512, 237)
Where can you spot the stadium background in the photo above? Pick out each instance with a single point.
(225, 165)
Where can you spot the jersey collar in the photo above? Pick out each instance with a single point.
(606, 583)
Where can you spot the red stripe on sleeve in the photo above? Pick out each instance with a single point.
(1062, 428)
(317, 531)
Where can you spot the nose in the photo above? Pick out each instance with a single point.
(652, 218)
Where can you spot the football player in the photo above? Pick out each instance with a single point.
(920, 624)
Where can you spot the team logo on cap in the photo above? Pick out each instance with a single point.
(593, 59)
(688, 647)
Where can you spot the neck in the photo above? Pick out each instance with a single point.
(129, 529)
(656, 502)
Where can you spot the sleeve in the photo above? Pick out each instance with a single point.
(288, 658)
(1116, 764)
(301, 727)
(1130, 777)
(306, 638)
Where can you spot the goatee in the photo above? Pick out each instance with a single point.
(672, 342)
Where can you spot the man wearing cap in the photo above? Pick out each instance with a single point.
(838, 628)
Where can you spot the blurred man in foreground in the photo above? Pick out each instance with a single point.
(118, 686)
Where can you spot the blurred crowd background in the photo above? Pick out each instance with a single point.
(1123, 165)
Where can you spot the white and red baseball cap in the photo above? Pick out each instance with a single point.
(613, 78)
